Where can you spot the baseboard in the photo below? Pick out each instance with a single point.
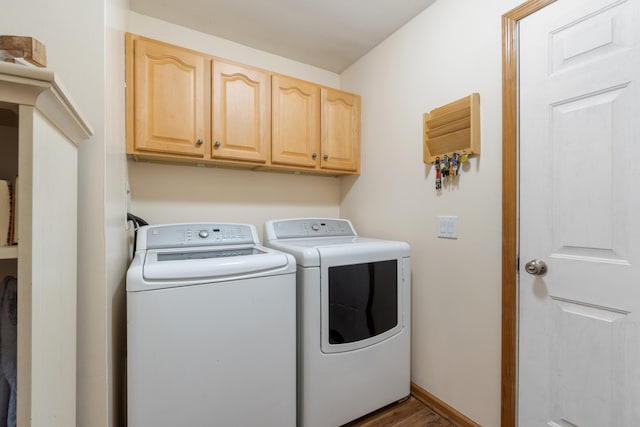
(441, 408)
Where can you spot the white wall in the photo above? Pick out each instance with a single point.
(449, 51)
(73, 32)
(117, 245)
(181, 36)
(165, 193)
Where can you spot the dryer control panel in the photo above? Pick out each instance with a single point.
(199, 234)
(312, 227)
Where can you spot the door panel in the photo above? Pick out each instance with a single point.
(579, 331)
(588, 370)
(241, 112)
(170, 102)
(296, 121)
(597, 171)
(340, 130)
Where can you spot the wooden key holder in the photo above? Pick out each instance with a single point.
(454, 127)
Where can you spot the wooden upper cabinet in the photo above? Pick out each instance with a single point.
(340, 130)
(241, 122)
(313, 126)
(168, 100)
(296, 122)
(186, 106)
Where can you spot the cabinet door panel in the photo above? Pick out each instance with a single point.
(340, 134)
(170, 103)
(241, 112)
(296, 117)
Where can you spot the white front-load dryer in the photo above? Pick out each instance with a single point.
(353, 296)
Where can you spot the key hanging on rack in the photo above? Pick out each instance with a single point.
(455, 163)
(464, 157)
(449, 166)
(445, 166)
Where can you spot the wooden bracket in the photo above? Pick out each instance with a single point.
(452, 127)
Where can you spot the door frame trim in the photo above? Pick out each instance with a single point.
(510, 206)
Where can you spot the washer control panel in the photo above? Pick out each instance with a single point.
(313, 227)
(200, 234)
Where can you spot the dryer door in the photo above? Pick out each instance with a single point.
(361, 295)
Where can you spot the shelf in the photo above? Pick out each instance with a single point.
(9, 252)
(49, 130)
(8, 117)
(452, 127)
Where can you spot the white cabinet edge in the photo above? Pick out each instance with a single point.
(42, 89)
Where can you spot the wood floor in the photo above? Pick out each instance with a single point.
(410, 413)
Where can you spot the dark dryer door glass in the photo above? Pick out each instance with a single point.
(363, 300)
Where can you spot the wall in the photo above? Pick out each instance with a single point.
(440, 56)
(117, 232)
(77, 51)
(165, 193)
(449, 51)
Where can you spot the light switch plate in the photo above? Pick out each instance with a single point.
(448, 227)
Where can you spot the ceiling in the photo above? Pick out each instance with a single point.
(330, 34)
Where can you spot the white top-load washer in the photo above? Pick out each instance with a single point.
(211, 335)
(353, 318)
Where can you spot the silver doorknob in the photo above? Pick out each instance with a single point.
(217, 144)
(536, 267)
(325, 157)
(199, 142)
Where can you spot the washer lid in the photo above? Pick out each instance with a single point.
(210, 262)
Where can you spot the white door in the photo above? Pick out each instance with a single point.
(579, 323)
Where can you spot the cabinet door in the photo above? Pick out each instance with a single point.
(170, 99)
(295, 120)
(241, 112)
(340, 131)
